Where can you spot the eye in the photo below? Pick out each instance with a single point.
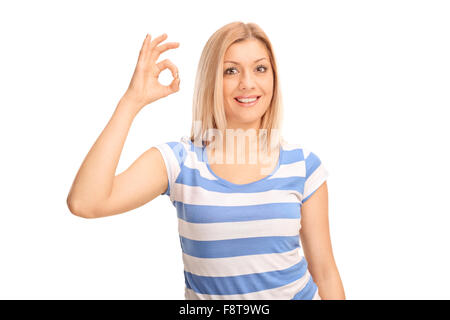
(226, 71)
(257, 68)
(262, 66)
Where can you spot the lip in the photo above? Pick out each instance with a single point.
(248, 97)
(247, 104)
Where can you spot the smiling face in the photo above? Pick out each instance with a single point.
(247, 73)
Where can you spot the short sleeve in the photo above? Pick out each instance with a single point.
(173, 154)
(316, 174)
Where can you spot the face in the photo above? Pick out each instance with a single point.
(247, 73)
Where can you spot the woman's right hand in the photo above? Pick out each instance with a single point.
(144, 87)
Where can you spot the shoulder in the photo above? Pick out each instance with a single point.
(174, 150)
(298, 150)
(174, 154)
(309, 160)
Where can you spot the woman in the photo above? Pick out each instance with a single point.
(239, 221)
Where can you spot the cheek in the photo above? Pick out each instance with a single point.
(268, 85)
(228, 88)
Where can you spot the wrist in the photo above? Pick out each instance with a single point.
(128, 105)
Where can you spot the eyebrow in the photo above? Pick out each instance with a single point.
(238, 62)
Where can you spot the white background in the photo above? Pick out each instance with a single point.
(365, 86)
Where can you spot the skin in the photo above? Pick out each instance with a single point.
(245, 78)
(316, 243)
(97, 191)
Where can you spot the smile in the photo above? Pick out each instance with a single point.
(247, 102)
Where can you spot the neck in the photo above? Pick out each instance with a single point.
(241, 147)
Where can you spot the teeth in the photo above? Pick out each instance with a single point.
(246, 100)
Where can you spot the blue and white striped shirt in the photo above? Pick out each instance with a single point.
(242, 241)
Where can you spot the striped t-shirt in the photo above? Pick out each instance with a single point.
(242, 241)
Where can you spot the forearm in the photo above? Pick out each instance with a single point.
(330, 286)
(94, 180)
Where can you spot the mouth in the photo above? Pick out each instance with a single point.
(247, 102)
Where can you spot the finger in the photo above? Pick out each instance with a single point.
(174, 86)
(146, 46)
(143, 52)
(164, 47)
(167, 64)
(157, 41)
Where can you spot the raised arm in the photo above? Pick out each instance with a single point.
(97, 191)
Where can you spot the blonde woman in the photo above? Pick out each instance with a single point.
(240, 205)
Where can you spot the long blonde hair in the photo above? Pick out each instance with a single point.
(208, 104)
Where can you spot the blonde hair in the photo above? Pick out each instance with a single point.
(208, 105)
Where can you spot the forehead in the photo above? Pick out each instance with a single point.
(246, 51)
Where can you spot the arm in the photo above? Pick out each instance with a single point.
(96, 191)
(315, 237)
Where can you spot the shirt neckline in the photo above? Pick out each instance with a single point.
(236, 185)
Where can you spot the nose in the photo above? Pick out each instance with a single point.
(247, 81)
